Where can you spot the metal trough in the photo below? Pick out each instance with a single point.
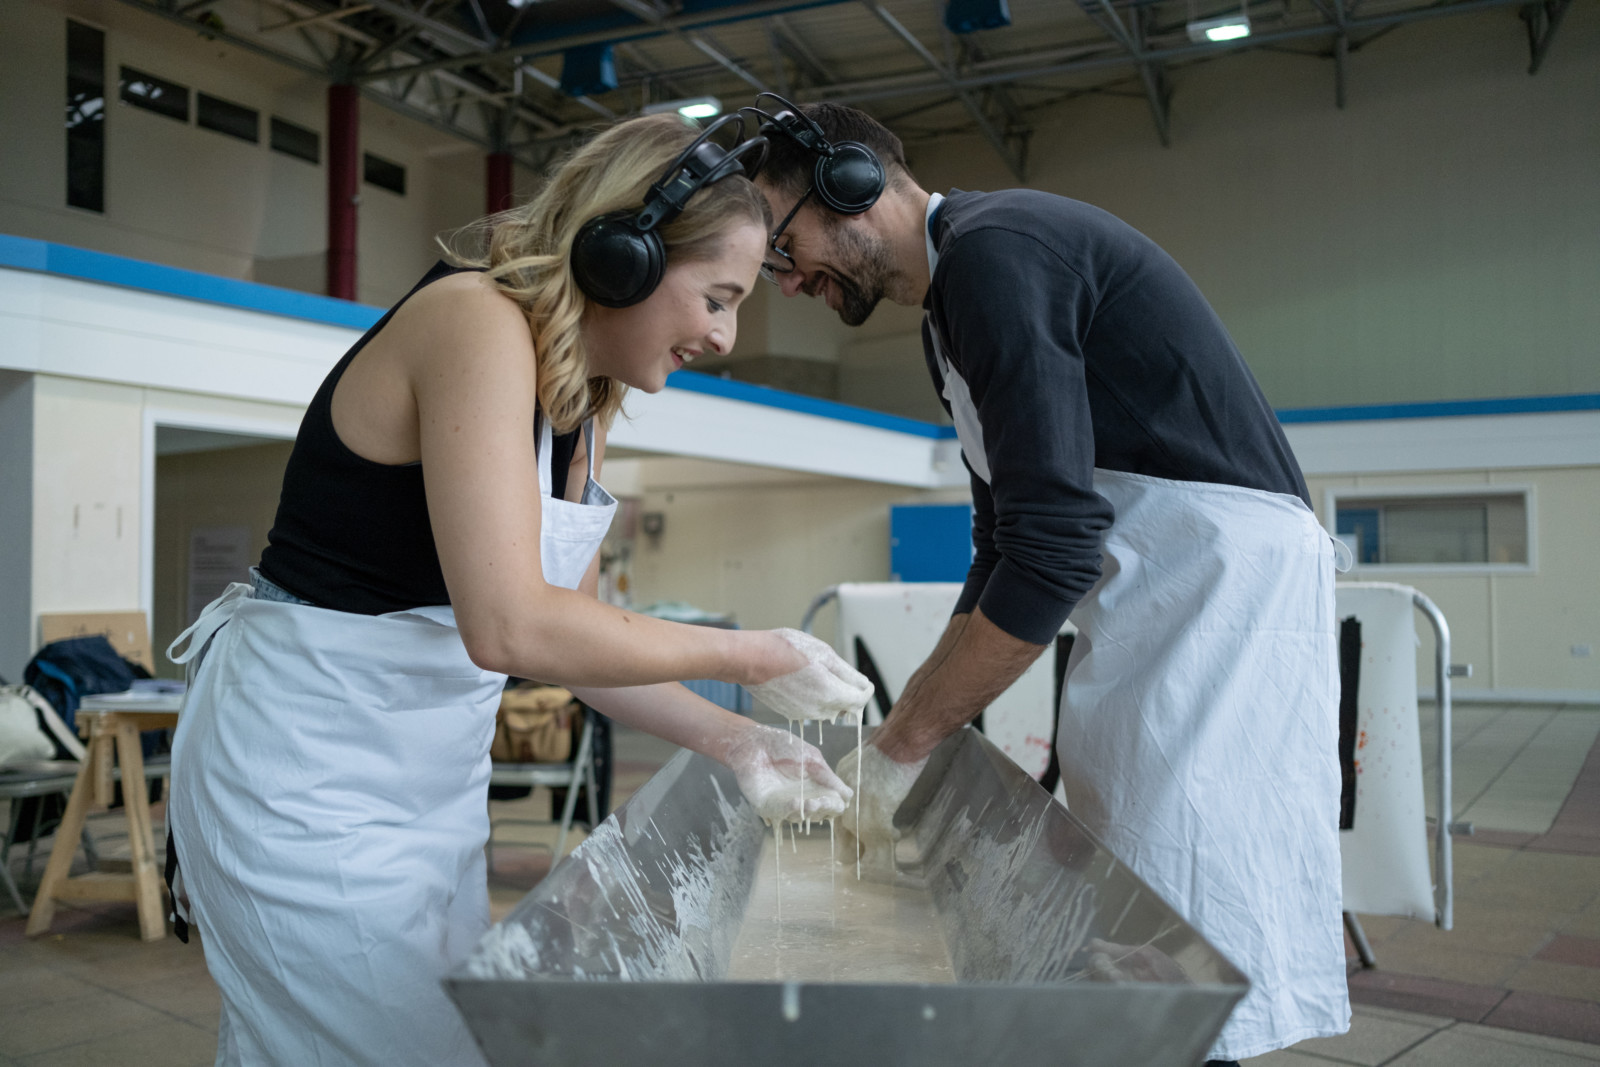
(1059, 953)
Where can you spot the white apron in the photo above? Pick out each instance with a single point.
(329, 810)
(1199, 729)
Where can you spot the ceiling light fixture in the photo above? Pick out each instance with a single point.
(699, 107)
(1227, 28)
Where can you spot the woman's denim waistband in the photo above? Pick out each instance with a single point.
(267, 589)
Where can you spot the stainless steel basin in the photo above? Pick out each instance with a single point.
(1060, 954)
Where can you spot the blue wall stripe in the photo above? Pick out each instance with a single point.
(695, 382)
(1441, 409)
(25, 253)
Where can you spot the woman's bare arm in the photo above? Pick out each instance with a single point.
(470, 362)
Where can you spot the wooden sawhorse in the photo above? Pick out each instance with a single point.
(143, 883)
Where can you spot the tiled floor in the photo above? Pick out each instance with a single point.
(1514, 983)
(1512, 767)
(1517, 981)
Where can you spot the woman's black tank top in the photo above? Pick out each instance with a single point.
(351, 534)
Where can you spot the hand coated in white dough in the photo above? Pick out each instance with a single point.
(884, 785)
(826, 688)
(775, 769)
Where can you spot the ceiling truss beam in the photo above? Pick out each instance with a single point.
(646, 11)
(1543, 18)
(800, 51)
(993, 134)
(1157, 90)
(419, 63)
(443, 32)
(668, 24)
(1097, 57)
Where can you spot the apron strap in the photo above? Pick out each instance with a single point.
(198, 636)
(546, 445)
(588, 447)
(213, 618)
(176, 892)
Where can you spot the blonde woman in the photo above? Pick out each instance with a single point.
(331, 765)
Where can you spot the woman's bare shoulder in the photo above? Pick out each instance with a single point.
(462, 318)
(467, 299)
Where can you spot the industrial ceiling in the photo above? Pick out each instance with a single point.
(531, 77)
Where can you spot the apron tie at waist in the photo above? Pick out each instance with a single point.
(213, 618)
(1343, 558)
(198, 636)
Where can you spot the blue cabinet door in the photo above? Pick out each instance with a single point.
(930, 542)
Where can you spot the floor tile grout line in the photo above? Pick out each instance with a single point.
(1589, 766)
(57, 968)
(1532, 845)
(1464, 808)
(1430, 760)
(1449, 1025)
(91, 1040)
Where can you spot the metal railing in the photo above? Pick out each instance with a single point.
(1443, 869)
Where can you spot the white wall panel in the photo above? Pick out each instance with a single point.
(1480, 442)
(711, 427)
(73, 328)
(87, 515)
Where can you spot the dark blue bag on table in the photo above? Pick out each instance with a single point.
(64, 672)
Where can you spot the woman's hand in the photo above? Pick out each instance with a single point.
(776, 769)
(810, 681)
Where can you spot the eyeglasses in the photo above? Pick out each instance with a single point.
(779, 261)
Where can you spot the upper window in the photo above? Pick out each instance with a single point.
(235, 120)
(86, 117)
(1446, 528)
(384, 174)
(295, 140)
(155, 94)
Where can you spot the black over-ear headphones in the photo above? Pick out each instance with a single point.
(848, 176)
(618, 258)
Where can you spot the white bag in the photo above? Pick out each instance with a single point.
(21, 737)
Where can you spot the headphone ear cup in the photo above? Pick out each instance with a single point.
(615, 264)
(851, 180)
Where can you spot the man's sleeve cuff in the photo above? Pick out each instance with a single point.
(1022, 608)
(970, 593)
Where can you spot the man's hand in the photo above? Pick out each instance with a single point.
(884, 784)
(975, 661)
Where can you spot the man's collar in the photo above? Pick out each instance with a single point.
(934, 200)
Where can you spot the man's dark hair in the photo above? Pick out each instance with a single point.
(789, 165)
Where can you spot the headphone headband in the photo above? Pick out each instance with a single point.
(703, 163)
(848, 176)
(792, 123)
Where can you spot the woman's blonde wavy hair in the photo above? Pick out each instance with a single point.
(526, 251)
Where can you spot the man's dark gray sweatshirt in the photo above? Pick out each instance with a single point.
(1083, 345)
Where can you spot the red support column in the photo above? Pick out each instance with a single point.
(344, 177)
(497, 181)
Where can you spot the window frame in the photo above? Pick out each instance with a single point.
(224, 104)
(290, 127)
(144, 103)
(1526, 490)
(369, 158)
(87, 133)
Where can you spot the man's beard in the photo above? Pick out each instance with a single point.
(864, 275)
